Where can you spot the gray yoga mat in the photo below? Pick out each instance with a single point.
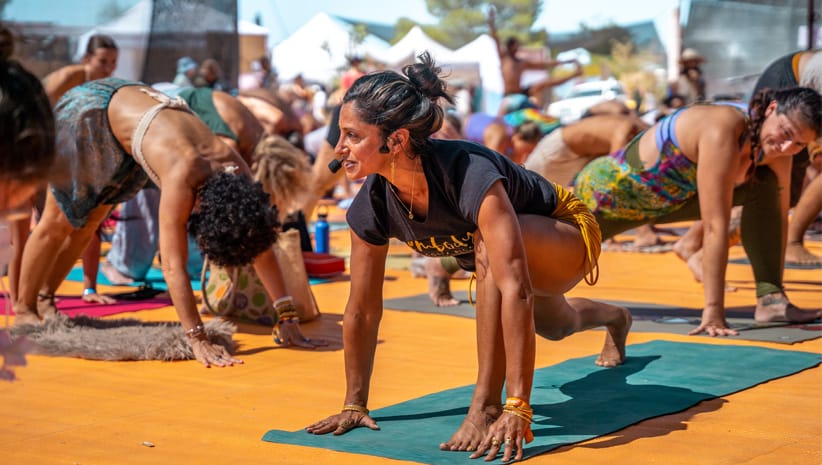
(648, 318)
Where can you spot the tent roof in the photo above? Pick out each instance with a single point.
(320, 49)
(412, 44)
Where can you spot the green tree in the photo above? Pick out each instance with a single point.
(461, 21)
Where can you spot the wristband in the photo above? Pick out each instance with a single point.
(89, 290)
(197, 332)
(286, 311)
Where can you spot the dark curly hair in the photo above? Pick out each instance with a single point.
(235, 221)
(27, 131)
(391, 101)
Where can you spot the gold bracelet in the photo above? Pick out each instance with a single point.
(518, 407)
(521, 409)
(517, 413)
(355, 408)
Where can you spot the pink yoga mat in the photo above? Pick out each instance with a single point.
(74, 306)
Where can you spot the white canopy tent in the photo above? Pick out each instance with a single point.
(319, 50)
(483, 50)
(412, 44)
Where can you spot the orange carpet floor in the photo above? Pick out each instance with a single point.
(80, 412)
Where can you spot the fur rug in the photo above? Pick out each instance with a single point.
(118, 339)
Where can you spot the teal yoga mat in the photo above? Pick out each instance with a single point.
(155, 280)
(573, 401)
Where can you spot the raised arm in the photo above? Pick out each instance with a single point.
(361, 323)
(492, 30)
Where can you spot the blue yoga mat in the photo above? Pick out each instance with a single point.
(573, 401)
(155, 280)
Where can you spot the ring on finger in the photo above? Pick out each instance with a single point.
(508, 441)
(495, 442)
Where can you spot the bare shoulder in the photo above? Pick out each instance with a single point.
(66, 73)
(712, 121)
(59, 81)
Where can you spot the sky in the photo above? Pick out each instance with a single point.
(283, 17)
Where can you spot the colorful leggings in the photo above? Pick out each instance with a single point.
(761, 227)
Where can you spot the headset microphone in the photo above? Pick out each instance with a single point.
(335, 165)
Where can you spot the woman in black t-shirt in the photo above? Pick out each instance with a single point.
(528, 240)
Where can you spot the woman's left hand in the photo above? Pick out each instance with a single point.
(507, 435)
(96, 298)
(288, 333)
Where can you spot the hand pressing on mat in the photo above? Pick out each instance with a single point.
(714, 324)
(288, 333)
(509, 433)
(351, 416)
(207, 353)
(90, 296)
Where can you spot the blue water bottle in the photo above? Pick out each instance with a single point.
(321, 232)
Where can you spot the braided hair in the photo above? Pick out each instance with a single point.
(798, 103)
(392, 101)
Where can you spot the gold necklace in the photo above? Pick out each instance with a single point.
(409, 209)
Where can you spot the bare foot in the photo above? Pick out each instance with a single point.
(439, 289)
(613, 352)
(646, 236)
(25, 316)
(472, 430)
(46, 306)
(776, 308)
(691, 258)
(797, 254)
(113, 275)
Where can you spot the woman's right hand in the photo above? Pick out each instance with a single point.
(342, 423)
(714, 324)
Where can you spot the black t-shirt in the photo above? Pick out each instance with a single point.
(459, 173)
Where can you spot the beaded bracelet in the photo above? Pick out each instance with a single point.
(286, 312)
(355, 408)
(197, 332)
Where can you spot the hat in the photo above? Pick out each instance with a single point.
(690, 54)
(185, 64)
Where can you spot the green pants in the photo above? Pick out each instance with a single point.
(761, 227)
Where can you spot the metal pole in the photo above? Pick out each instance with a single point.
(811, 26)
